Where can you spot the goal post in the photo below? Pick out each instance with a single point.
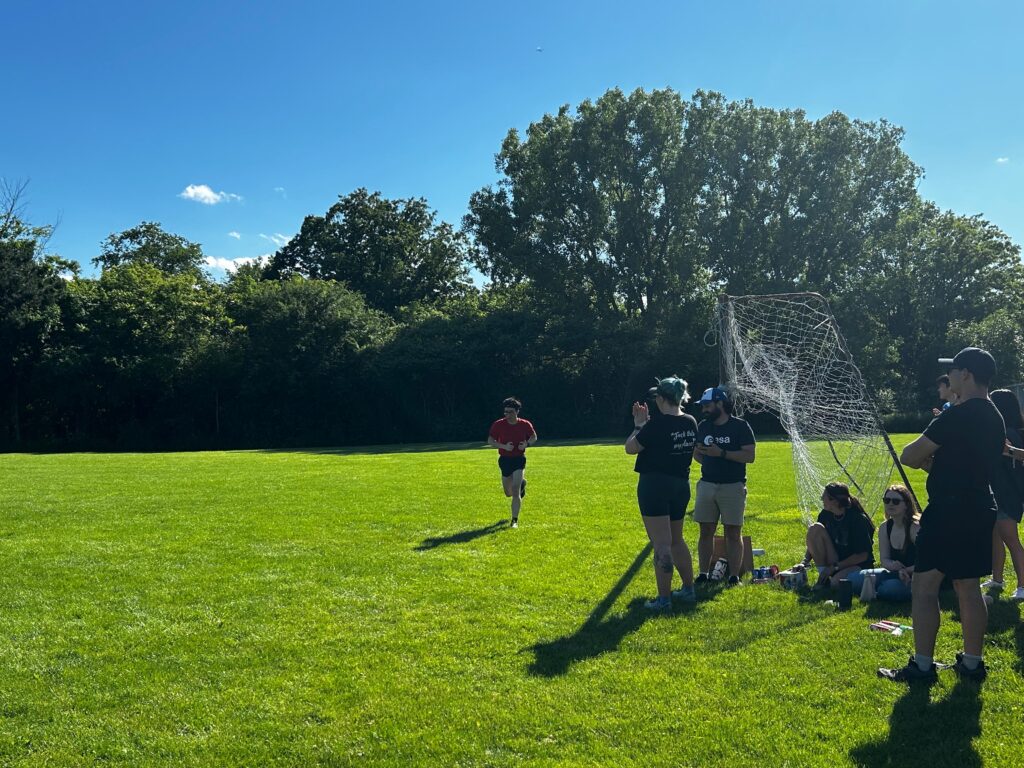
(785, 354)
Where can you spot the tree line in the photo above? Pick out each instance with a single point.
(603, 246)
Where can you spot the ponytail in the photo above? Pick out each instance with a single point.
(858, 507)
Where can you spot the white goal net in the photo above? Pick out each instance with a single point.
(786, 355)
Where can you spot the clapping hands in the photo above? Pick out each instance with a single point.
(640, 414)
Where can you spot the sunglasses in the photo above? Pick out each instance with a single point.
(892, 499)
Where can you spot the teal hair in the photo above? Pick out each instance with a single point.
(674, 389)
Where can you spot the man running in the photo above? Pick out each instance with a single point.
(512, 436)
(725, 445)
(960, 450)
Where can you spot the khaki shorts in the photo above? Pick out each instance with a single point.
(720, 500)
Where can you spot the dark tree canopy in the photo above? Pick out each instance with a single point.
(393, 252)
(147, 243)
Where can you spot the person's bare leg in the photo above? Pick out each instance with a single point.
(681, 557)
(823, 552)
(733, 548)
(973, 614)
(998, 553)
(660, 534)
(516, 482)
(924, 608)
(706, 546)
(1009, 533)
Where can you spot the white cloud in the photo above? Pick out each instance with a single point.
(236, 235)
(280, 191)
(201, 193)
(232, 265)
(277, 239)
(1002, 160)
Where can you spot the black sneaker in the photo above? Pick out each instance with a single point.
(514, 523)
(734, 581)
(702, 578)
(977, 674)
(910, 673)
(522, 489)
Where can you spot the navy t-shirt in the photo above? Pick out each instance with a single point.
(850, 533)
(970, 439)
(732, 436)
(668, 445)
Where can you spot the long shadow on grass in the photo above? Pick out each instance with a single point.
(461, 537)
(597, 635)
(922, 732)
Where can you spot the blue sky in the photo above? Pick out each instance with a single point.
(273, 109)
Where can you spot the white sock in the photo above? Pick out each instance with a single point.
(971, 662)
(924, 663)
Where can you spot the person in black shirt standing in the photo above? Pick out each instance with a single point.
(663, 447)
(960, 450)
(725, 445)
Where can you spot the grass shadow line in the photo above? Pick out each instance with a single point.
(596, 635)
(922, 732)
(462, 537)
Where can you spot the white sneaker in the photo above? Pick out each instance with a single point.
(1018, 594)
(991, 584)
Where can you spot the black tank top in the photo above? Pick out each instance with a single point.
(909, 551)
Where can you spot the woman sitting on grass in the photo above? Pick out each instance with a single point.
(840, 542)
(896, 547)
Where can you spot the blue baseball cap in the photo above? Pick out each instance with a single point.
(714, 395)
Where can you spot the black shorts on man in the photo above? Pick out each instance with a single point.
(956, 537)
(509, 464)
(956, 526)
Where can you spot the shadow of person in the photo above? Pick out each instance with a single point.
(461, 537)
(597, 635)
(922, 732)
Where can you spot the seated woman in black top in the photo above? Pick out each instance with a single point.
(897, 547)
(840, 542)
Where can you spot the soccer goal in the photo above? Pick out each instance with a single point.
(786, 355)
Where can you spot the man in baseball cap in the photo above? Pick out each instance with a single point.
(961, 450)
(979, 362)
(725, 445)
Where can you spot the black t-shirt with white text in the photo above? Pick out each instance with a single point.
(732, 436)
(970, 437)
(850, 533)
(668, 445)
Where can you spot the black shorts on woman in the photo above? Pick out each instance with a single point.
(510, 464)
(658, 495)
(664, 465)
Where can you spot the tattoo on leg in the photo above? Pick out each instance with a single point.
(664, 562)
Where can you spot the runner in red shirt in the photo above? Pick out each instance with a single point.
(511, 436)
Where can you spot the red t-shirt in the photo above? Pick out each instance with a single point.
(516, 433)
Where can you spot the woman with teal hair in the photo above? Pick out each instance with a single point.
(663, 447)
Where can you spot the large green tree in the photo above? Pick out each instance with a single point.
(394, 252)
(637, 204)
(148, 243)
(30, 292)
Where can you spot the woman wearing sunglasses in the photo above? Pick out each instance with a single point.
(896, 547)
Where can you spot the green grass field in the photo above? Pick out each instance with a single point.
(351, 608)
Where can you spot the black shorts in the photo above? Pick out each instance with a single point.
(659, 495)
(509, 464)
(956, 538)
